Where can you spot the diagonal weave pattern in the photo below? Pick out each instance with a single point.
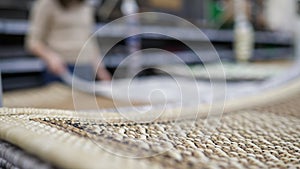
(263, 137)
(244, 140)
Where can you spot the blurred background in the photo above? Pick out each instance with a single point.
(254, 40)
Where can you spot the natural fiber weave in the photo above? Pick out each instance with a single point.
(264, 134)
(54, 96)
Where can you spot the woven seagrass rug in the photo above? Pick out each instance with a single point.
(261, 131)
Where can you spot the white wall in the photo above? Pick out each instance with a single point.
(281, 14)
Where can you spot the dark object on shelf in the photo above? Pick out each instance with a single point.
(15, 9)
(189, 57)
(21, 73)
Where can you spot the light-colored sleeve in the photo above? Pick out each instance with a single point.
(40, 20)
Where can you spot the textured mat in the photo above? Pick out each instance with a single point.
(255, 132)
(54, 96)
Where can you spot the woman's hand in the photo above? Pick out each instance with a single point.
(103, 74)
(55, 64)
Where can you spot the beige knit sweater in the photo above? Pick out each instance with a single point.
(64, 31)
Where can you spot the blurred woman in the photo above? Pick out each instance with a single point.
(58, 30)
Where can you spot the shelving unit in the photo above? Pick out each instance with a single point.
(20, 27)
(21, 72)
(283, 42)
(16, 63)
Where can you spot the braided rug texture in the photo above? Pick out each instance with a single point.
(264, 136)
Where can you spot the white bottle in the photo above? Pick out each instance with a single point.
(129, 7)
(243, 33)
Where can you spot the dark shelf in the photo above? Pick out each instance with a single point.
(21, 72)
(19, 27)
(21, 65)
(189, 57)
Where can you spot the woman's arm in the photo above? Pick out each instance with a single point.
(100, 69)
(54, 62)
(40, 23)
(101, 72)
